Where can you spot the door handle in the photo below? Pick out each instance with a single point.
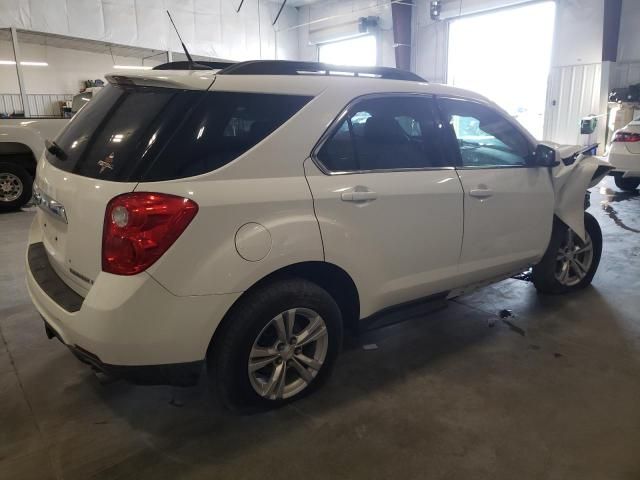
(358, 196)
(481, 193)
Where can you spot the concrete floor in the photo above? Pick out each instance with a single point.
(555, 394)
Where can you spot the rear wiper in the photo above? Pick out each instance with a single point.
(54, 149)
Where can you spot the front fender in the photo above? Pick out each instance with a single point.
(576, 172)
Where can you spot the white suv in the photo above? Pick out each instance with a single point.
(243, 218)
(624, 155)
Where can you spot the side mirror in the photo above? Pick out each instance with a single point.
(545, 156)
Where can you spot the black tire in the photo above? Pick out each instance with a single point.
(627, 184)
(544, 274)
(12, 171)
(229, 352)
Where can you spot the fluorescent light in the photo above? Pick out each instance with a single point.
(26, 64)
(132, 67)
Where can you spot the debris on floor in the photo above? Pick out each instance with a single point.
(370, 346)
(524, 276)
(503, 315)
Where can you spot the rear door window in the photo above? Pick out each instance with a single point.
(131, 133)
(385, 133)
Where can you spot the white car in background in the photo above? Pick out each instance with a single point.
(22, 142)
(243, 218)
(624, 155)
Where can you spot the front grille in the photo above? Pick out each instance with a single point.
(46, 277)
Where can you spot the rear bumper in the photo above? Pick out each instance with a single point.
(178, 374)
(626, 164)
(128, 325)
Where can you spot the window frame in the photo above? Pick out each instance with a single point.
(450, 141)
(343, 115)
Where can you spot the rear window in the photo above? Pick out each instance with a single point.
(135, 134)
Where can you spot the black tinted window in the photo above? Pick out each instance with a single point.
(132, 133)
(222, 127)
(385, 133)
(485, 138)
(116, 135)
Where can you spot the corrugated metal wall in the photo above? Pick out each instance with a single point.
(573, 92)
(624, 74)
(39, 105)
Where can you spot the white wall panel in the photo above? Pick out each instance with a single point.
(86, 19)
(209, 27)
(40, 105)
(624, 74)
(578, 32)
(10, 103)
(574, 92)
(629, 42)
(49, 16)
(120, 20)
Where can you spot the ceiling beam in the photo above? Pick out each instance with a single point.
(401, 13)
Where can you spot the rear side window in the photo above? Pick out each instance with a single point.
(386, 133)
(130, 133)
(223, 126)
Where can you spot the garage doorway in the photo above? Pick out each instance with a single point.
(506, 55)
(360, 52)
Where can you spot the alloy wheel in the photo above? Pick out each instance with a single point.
(288, 353)
(10, 187)
(574, 259)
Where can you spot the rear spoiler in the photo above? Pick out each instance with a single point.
(193, 66)
(191, 80)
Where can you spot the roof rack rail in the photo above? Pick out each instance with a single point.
(289, 67)
(193, 66)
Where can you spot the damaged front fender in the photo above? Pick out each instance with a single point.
(575, 172)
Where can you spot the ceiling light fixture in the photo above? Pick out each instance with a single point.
(26, 64)
(34, 64)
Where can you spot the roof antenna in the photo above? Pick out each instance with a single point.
(184, 47)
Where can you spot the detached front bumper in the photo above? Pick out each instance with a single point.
(129, 327)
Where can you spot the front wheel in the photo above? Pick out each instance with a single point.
(569, 263)
(277, 345)
(627, 184)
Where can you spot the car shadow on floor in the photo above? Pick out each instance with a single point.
(187, 427)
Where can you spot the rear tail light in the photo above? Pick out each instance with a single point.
(139, 227)
(627, 137)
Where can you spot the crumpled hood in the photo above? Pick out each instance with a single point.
(576, 172)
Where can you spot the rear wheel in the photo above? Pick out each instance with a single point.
(15, 186)
(277, 345)
(570, 262)
(627, 184)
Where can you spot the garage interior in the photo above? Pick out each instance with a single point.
(499, 383)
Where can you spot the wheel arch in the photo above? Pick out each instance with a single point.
(19, 153)
(332, 278)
